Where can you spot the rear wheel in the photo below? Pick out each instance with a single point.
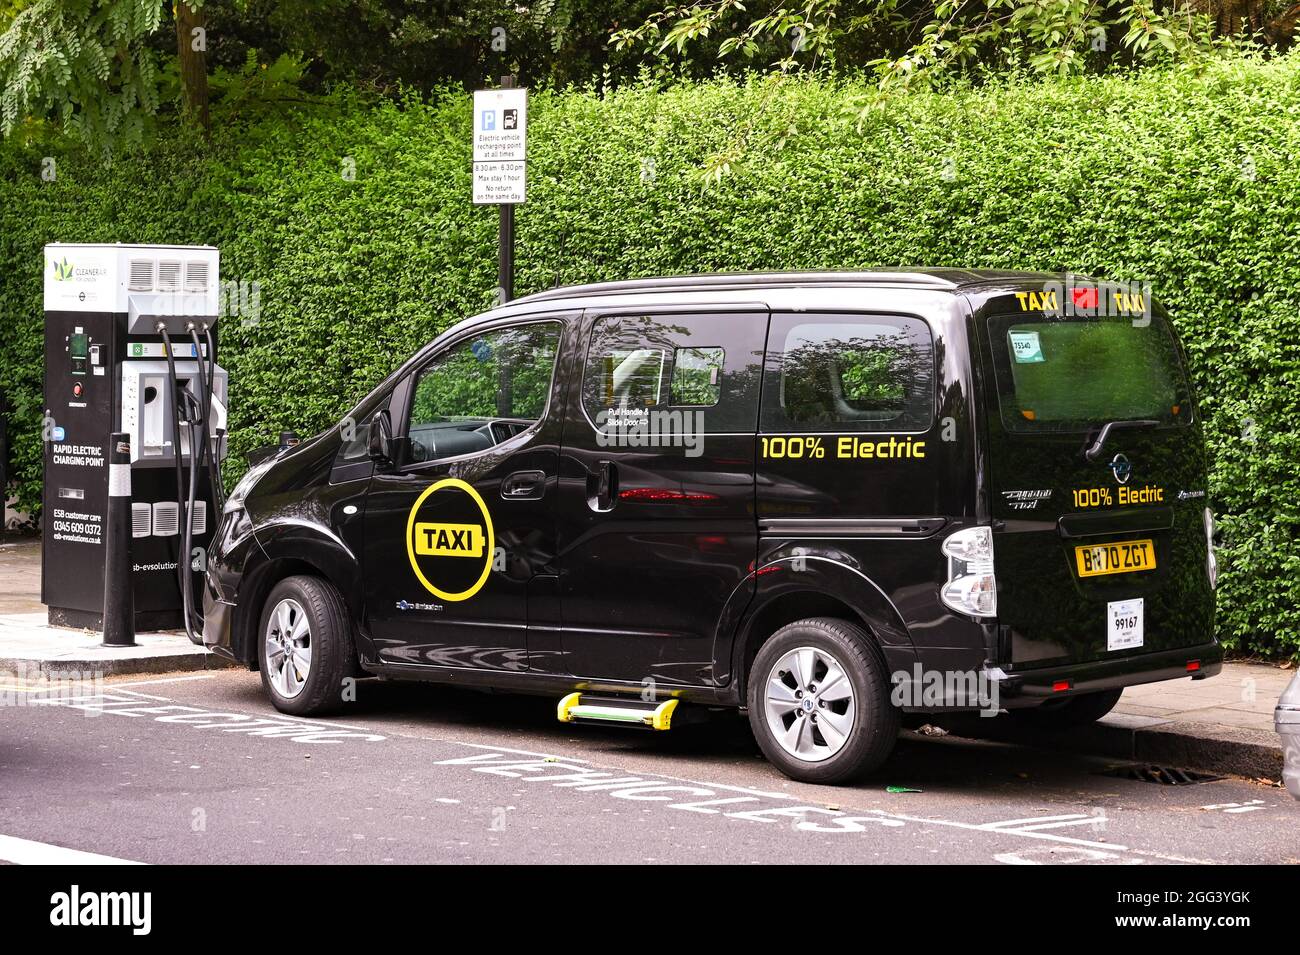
(819, 701)
(1072, 711)
(305, 646)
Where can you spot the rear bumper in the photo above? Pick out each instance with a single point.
(1033, 686)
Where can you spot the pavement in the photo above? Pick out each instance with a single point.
(28, 645)
(1221, 725)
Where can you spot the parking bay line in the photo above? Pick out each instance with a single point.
(28, 852)
(325, 723)
(166, 679)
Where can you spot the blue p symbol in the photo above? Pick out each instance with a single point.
(489, 119)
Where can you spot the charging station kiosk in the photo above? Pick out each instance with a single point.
(130, 345)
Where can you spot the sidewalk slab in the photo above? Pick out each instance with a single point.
(28, 645)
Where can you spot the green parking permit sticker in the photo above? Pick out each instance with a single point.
(1025, 346)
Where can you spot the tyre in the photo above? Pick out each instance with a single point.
(1072, 711)
(818, 701)
(305, 647)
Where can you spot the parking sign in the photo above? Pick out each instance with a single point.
(500, 146)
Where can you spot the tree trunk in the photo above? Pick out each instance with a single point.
(191, 49)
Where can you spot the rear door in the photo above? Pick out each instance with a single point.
(1104, 557)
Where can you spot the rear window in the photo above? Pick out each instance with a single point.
(1071, 374)
(848, 373)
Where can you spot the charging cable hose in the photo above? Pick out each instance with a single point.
(183, 563)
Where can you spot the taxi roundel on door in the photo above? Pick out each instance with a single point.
(449, 540)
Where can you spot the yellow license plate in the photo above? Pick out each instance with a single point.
(1122, 557)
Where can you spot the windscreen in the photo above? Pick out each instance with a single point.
(1072, 374)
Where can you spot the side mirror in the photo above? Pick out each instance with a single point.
(381, 439)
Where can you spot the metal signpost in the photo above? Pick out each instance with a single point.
(500, 165)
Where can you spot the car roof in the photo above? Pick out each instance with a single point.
(948, 279)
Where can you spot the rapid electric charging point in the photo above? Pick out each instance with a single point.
(130, 346)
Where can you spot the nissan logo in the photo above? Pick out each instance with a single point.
(1121, 468)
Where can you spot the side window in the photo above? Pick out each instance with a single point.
(359, 447)
(673, 372)
(482, 390)
(848, 373)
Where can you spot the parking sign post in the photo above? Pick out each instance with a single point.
(500, 166)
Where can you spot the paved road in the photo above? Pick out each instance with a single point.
(199, 768)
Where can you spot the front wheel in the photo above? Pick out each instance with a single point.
(819, 701)
(305, 646)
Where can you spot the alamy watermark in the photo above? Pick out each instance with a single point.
(945, 689)
(1083, 297)
(30, 686)
(647, 428)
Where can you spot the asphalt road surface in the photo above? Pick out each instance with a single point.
(199, 768)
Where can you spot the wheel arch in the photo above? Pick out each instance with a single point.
(822, 588)
(288, 553)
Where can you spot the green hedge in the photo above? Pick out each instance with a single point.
(1187, 181)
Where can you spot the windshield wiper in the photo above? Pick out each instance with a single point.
(1094, 449)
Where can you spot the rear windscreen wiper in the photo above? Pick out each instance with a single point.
(1094, 449)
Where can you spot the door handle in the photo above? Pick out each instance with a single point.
(602, 486)
(524, 486)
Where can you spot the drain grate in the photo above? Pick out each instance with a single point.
(1164, 775)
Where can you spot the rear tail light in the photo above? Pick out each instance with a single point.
(1211, 561)
(971, 588)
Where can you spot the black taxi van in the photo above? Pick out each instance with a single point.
(824, 498)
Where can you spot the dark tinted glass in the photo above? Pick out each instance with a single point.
(848, 373)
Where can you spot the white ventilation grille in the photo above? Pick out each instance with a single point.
(196, 276)
(141, 275)
(141, 520)
(166, 519)
(169, 276)
(200, 517)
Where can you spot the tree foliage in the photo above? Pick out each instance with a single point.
(84, 62)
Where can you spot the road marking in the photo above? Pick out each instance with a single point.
(1236, 806)
(27, 852)
(567, 772)
(128, 703)
(1028, 833)
(166, 679)
(1062, 856)
(1037, 823)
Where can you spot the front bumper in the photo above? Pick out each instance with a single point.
(1034, 685)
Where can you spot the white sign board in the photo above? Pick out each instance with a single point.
(500, 146)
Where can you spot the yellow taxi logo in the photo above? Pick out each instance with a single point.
(449, 540)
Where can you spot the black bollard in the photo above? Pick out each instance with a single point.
(119, 603)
